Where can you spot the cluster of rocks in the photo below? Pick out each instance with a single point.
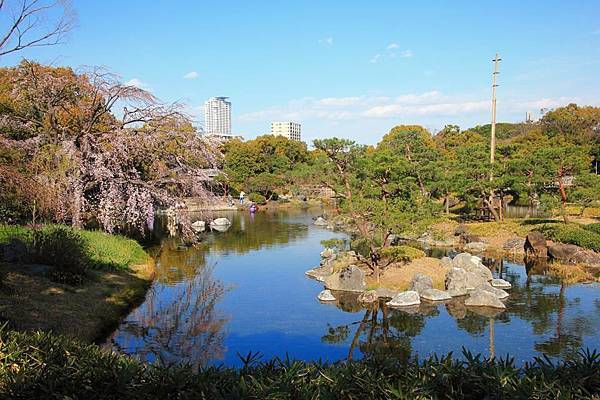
(218, 224)
(536, 246)
(466, 278)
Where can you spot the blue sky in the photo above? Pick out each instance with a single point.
(344, 68)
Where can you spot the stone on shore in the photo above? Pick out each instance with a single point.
(405, 299)
(326, 295)
(472, 264)
(446, 262)
(571, 253)
(483, 298)
(420, 282)
(350, 278)
(535, 245)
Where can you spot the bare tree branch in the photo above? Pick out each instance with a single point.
(33, 23)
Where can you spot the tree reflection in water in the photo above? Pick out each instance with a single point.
(383, 331)
(178, 324)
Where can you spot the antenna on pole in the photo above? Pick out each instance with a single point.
(496, 60)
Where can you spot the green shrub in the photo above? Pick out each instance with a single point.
(113, 251)
(257, 198)
(103, 249)
(593, 227)
(63, 249)
(402, 253)
(10, 232)
(572, 234)
(45, 366)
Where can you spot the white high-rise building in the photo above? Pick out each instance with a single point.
(290, 130)
(217, 117)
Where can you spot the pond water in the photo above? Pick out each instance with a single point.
(245, 290)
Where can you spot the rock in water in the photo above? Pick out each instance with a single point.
(501, 284)
(483, 298)
(199, 226)
(370, 296)
(319, 273)
(535, 245)
(420, 282)
(459, 281)
(472, 264)
(404, 299)
(350, 278)
(434, 295)
(325, 295)
(220, 222)
(499, 293)
(320, 221)
(476, 246)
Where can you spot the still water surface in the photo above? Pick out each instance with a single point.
(244, 290)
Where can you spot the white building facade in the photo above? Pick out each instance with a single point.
(290, 130)
(217, 117)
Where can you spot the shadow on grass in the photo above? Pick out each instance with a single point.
(538, 221)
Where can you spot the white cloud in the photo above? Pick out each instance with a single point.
(392, 51)
(338, 101)
(191, 75)
(137, 83)
(328, 41)
(423, 107)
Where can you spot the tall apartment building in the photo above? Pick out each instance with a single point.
(290, 130)
(217, 117)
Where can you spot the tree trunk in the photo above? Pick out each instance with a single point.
(447, 205)
(563, 196)
(490, 207)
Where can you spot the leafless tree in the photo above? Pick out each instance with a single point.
(33, 23)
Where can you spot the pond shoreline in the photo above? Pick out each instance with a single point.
(89, 311)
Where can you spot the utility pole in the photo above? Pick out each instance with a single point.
(494, 85)
(498, 216)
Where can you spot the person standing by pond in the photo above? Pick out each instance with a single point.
(242, 194)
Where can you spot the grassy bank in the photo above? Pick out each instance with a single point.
(45, 366)
(117, 274)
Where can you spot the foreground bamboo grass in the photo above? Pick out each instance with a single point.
(43, 365)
